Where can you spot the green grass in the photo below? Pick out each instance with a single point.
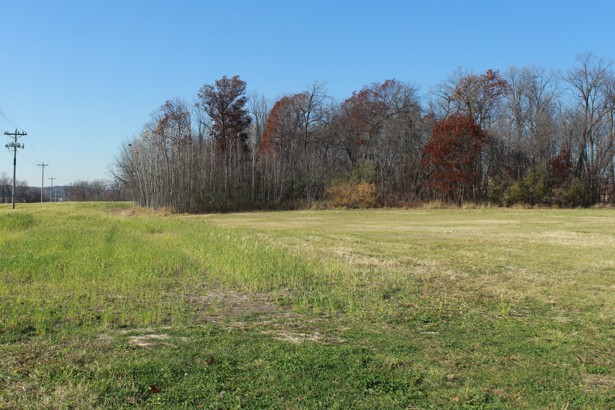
(103, 305)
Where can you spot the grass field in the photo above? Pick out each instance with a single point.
(108, 306)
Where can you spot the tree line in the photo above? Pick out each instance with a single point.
(527, 135)
(81, 190)
(23, 192)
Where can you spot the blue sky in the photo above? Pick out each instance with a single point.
(81, 77)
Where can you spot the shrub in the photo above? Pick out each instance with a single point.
(496, 192)
(576, 194)
(353, 194)
(532, 189)
(514, 194)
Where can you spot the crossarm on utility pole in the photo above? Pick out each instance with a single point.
(15, 145)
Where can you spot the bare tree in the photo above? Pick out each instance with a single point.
(528, 122)
(5, 188)
(591, 82)
(259, 110)
(96, 190)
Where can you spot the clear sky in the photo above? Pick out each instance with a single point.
(83, 76)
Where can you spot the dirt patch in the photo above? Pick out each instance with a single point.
(139, 211)
(218, 305)
(150, 340)
(599, 382)
(299, 338)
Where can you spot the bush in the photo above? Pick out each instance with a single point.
(532, 189)
(576, 194)
(514, 194)
(353, 194)
(496, 192)
(573, 195)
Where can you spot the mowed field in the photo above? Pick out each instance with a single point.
(108, 306)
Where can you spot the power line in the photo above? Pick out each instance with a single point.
(35, 156)
(14, 145)
(29, 160)
(29, 154)
(9, 120)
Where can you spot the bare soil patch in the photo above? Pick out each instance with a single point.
(218, 305)
(599, 382)
(150, 340)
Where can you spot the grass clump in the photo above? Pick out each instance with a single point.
(16, 221)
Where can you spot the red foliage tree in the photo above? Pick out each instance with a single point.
(174, 115)
(363, 116)
(561, 166)
(451, 158)
(357, 120)
(478, 95)
(284, 123)
(224, 102)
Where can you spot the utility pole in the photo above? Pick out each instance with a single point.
(43, 165)
(52, 178)
(14, 145)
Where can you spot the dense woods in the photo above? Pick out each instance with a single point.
(525, 135)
